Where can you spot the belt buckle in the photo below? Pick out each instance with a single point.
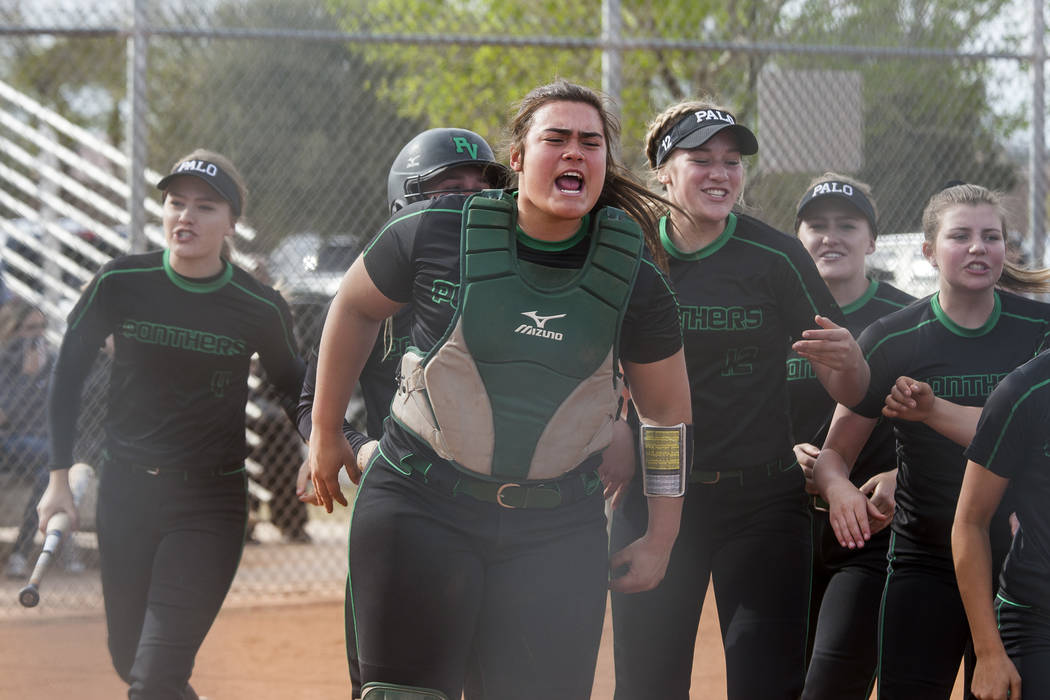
(718, 477)
(155, 471)
(499, 495)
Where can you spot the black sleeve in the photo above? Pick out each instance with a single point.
(388, 258)
(883, 374)
(88, 325)
(1008, 427)
(305, 409)
(277, 350)
(651, 329)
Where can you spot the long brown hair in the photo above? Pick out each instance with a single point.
(620, 189)
(1015, 277)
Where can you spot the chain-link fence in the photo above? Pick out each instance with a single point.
(313, 98)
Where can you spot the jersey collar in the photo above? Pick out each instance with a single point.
(955, 328)
(708, 250)
(863, 299)
(201, 286)
(536, 244)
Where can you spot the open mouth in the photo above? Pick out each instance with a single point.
(570, 182)
(716, 192)
(182, 236)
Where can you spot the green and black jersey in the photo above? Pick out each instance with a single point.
(1013, 441)
(811, 407)
(182, 349)
(744, 298)
(415, 259)
(962, 365)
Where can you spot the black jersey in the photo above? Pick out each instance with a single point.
(415, 259)
(1013, 441)
(744, 298)
(811, 406)
(961, 365)
(182, 351)
(378, 382)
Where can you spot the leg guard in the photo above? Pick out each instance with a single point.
(392, 691)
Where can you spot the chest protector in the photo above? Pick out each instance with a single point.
(524, 383)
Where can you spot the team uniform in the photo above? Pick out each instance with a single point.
(378, 384)
(923, 629)
(745, 521)
(511, 593)
(847, 584)
(172, 504)
(1011, 442)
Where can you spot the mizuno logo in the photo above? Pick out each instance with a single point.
(539, 330)
(540, 321)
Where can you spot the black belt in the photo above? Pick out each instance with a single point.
(571, 487)
(775, 467)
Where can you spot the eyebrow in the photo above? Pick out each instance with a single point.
(569, 132)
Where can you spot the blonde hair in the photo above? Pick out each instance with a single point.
(663, 121)
(1015, 277)
(831, 176)
(620, 189)
(242, 189)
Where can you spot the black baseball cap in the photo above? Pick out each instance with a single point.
(212, 174)
(839, 190)
(694, 129)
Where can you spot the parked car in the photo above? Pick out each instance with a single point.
(305, 264)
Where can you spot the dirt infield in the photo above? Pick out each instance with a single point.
(283, 652)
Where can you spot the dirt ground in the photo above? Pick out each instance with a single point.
(282, 652)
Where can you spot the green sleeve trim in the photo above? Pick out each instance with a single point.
(1009, 418)
(707, 251)
(876, 346)
(187, 284)
(405, 217)
(863, 299)
(98, 285)
(669, 288)
(791, 264)
(289, 337)
(958, 330)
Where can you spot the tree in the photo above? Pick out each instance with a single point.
(298, 117)
(926, 121)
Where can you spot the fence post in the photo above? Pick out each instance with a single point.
(1037, 152)
(612, 58)
(135, 130)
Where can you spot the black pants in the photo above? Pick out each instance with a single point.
(923, 628)
(169, 546)
(1025, 632)
(847, 593)
(455, 594)
(752, 538)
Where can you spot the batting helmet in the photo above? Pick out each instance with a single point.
(431, 153)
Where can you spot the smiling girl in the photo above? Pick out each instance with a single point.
(746, 291)
(837, 222)
(172, 504)
(957, 343)
(478, 549)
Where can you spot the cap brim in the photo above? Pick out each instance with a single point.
(165, 181)
(745, 139)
